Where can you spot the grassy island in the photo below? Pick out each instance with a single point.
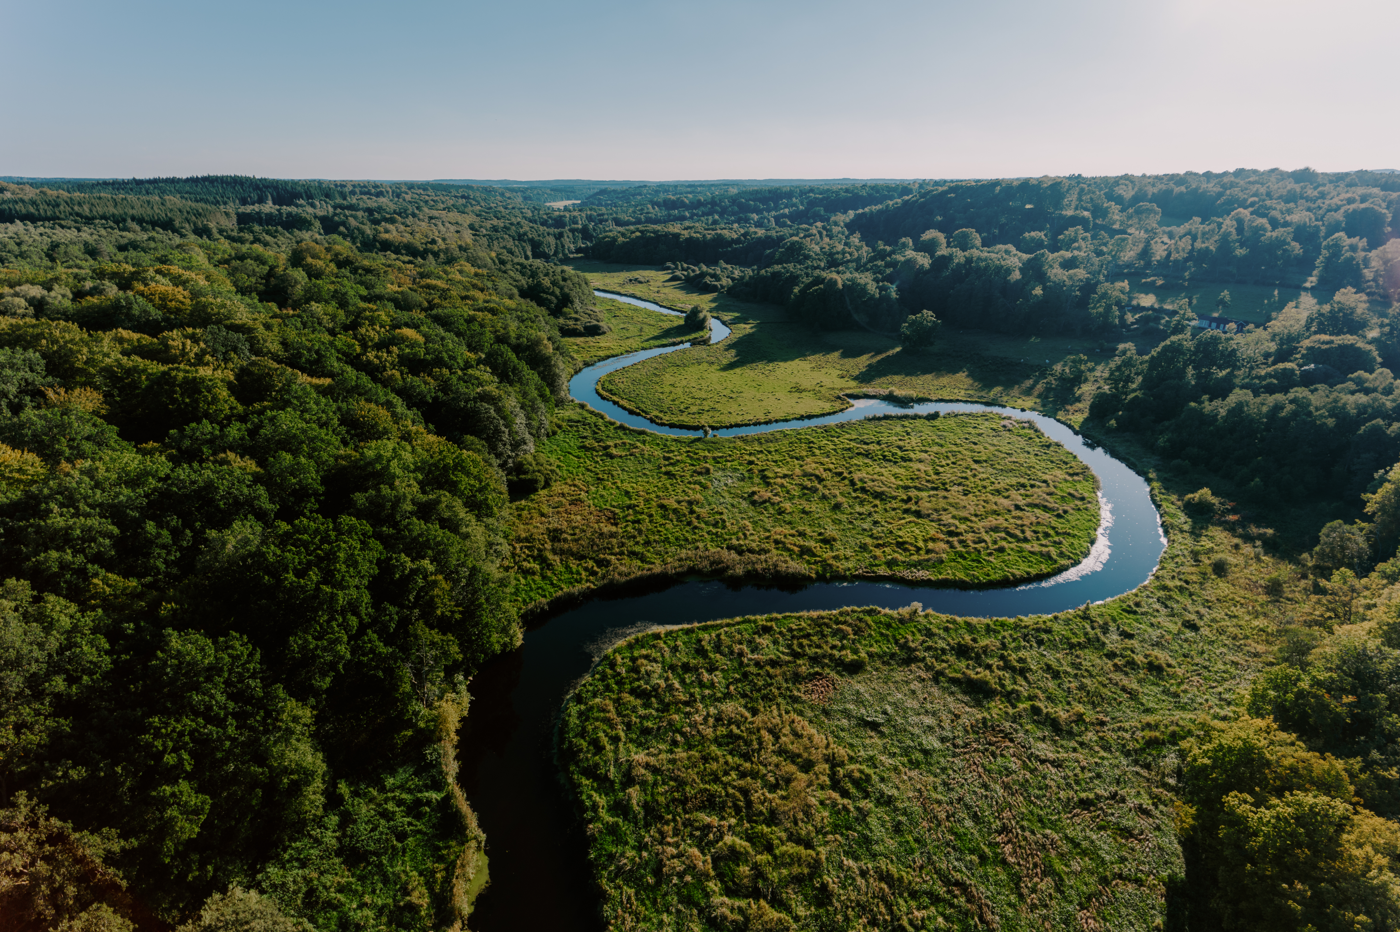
(773, 368)
(628, 328)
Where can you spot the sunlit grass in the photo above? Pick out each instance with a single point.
(631, 328)
(866, 769)
(967, 499)
(771, 368)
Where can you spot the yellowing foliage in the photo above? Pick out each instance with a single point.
(19, 468)
(169, 299)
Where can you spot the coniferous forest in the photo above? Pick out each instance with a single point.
(268, 450)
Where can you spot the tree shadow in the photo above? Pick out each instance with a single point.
(772, 342)
(677, 333)
(987, 372)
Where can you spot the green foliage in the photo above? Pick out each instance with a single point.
(253, 507)
(52, 877)
(1347, 314)
(240, 910)
(1342, 545)
(1202, 503)
(1225, 404)
(697, 318)
(919, 331)
(1105, 308)
(1342, 702)
(1276, 838)
(1383, 508)
(1346, 354)
(1027, 256)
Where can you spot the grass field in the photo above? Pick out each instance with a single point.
(1255, 303)
(630, 328)
(772, 369)
(968, 499)
(874, 770)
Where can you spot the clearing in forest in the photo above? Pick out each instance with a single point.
(772, 369)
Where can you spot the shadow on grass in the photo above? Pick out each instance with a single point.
(774, 342)
(987, 372)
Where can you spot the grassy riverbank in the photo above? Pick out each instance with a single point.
(865, 769)
(771, 368)
(966, 499)
(630, 328)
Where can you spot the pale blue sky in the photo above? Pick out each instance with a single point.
(677, 90)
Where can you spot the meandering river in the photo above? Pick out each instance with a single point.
(539, 878)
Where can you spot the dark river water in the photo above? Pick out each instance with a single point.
(539, 877)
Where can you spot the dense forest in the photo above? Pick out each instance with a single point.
(253, 484)
(1034, 256)
(259, 440)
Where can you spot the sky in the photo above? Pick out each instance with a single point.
(647, 90)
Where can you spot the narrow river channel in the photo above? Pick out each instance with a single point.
(539, 877)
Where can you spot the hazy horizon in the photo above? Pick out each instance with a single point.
(726, 91)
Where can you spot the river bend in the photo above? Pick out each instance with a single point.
(539, 877)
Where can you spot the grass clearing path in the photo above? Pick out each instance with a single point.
(773, 369)
(969, 499)
(631, 328)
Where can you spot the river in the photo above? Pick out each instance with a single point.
(539, 876)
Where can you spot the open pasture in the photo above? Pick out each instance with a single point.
(967, 499)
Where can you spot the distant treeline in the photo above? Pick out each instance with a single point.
(1028, 256)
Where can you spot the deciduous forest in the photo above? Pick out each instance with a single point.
(278, 465)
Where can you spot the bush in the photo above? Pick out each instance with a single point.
(1346, 354)
(1202, 504)
(920, 330)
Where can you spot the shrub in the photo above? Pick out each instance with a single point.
(1201, 504)
(920, 330)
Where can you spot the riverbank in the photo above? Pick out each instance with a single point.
(773, 369)
(968, 500)
(628, 328)
(522, 692)
(867, 768)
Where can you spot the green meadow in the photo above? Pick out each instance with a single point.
(865, 769)
(968, 499)
(771, 368)
(1255, 303)
(629, 328)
